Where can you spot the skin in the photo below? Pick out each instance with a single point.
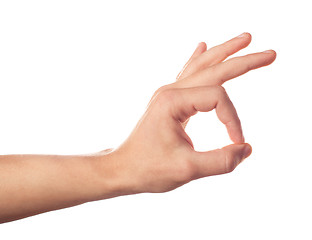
(158, 156)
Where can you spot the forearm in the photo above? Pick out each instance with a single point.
(32, 184)
(158, 156)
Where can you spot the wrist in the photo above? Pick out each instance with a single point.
(112, 177)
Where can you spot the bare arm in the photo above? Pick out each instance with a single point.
(158, 156)
(32, 184)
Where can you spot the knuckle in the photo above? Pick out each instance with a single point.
(213, 48)
(247, 67)
(165, 96)
(223, 50)
(164, 88)
(196, 65)
(221, 92)
(159, 90)
(158, 95)
(227, 51)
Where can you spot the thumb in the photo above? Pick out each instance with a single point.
(222, 160)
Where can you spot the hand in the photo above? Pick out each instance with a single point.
(159, 156)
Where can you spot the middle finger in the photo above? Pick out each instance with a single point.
(224, 71)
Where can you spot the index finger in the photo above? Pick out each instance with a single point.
(186, 102)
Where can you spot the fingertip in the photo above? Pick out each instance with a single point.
(247, 150)
(248, 35)
(235, 154)
(270, 51)
(240, 150)
(202, 46)
(272, 55)
(248, 38)
(245, 35)
(243, 39)
(243, 138)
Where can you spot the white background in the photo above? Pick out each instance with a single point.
(75, 77)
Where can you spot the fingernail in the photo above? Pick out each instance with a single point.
(268, 51)
(247, 151)
(241, 35)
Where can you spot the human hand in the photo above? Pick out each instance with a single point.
(159, 156)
